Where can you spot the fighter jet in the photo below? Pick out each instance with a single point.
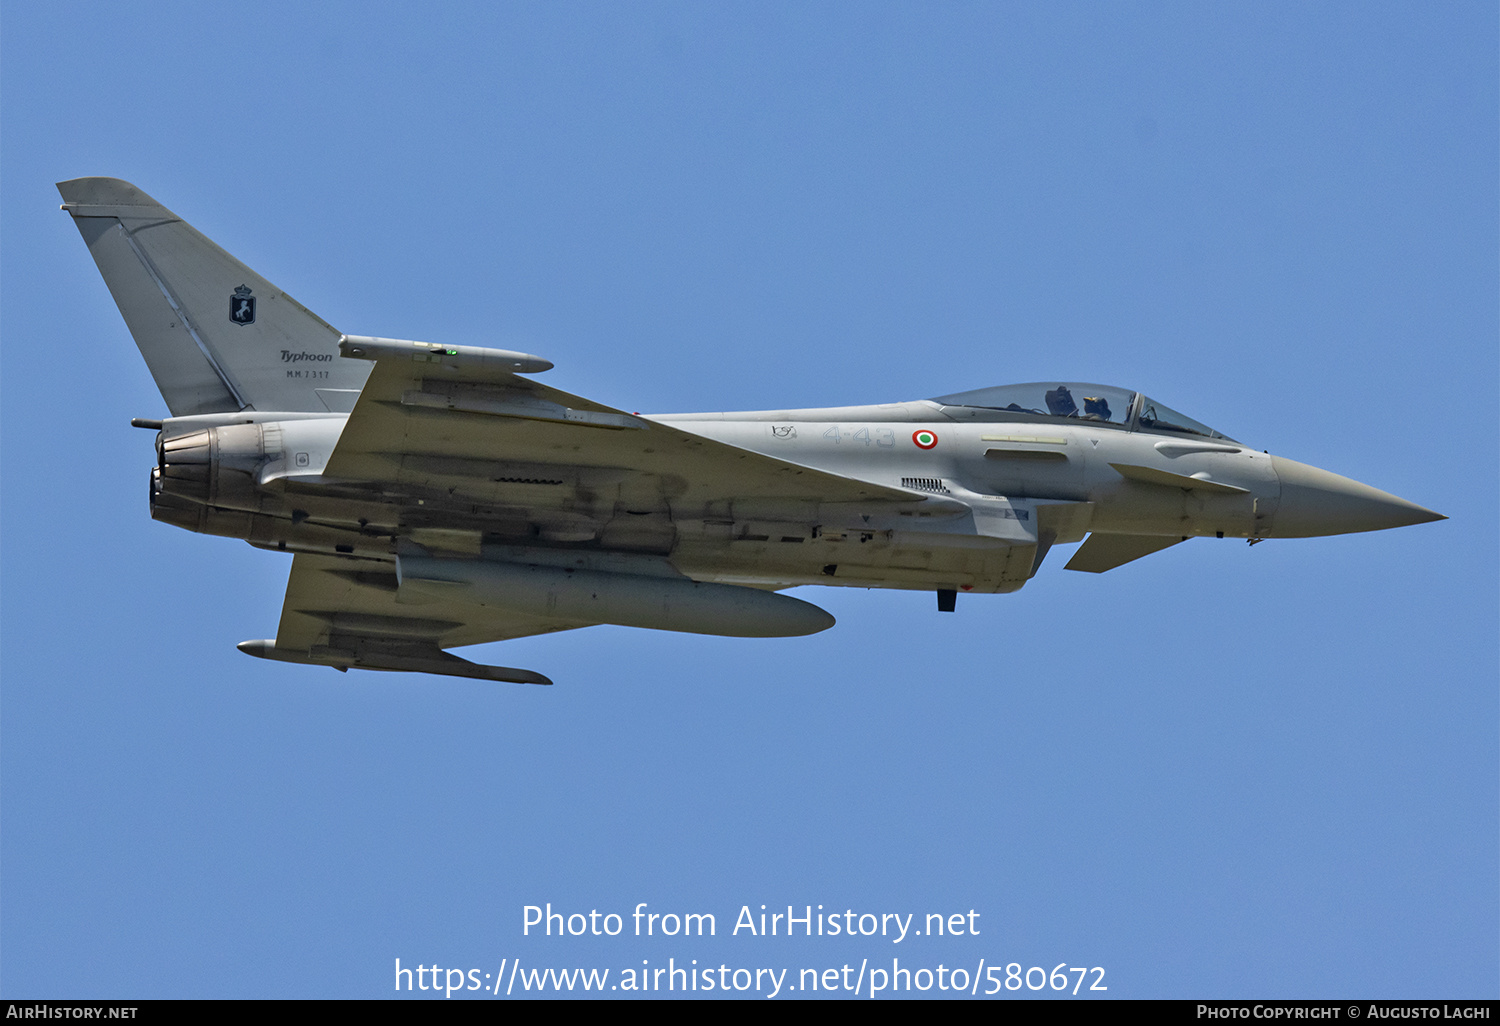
(435, 496)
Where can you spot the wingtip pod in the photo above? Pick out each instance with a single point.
(365, 347)
(433, 661)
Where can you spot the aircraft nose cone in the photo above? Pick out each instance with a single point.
(1315, 502)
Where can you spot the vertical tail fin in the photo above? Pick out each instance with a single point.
(217, 337)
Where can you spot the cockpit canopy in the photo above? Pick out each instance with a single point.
(1046, 400)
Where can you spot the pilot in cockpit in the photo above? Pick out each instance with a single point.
(1060, 402)
(1095, 407)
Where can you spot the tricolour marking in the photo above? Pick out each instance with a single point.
(924, 439)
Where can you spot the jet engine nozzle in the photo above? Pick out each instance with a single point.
(215, 466)
(185, 465)
(1315, 502)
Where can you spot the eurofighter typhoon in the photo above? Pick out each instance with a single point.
(436, 496)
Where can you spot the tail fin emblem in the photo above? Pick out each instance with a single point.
(242, 306)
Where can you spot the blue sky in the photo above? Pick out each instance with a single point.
(1219, 771)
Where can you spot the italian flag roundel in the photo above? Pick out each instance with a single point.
(924, 439)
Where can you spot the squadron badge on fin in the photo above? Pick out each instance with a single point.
(242, 306)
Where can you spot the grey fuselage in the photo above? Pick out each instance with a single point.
(1000, 490)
